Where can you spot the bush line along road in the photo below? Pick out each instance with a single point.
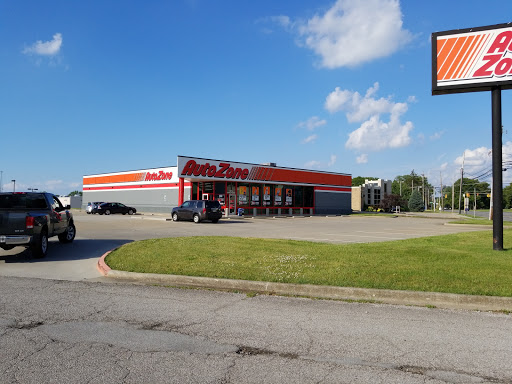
(62, 322)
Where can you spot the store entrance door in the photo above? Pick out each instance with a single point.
(232, 203)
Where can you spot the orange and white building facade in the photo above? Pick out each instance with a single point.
(257, 189)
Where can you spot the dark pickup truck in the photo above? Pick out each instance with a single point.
(28, 219)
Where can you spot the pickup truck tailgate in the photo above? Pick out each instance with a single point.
(12, 222)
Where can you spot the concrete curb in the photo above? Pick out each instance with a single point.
(384, 296)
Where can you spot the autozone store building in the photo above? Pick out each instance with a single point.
(257, 189)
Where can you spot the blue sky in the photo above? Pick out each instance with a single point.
(104, 86)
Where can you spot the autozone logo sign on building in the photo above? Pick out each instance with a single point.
(472, 60)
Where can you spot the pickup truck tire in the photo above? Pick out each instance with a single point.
(69, 235)
(40, 247)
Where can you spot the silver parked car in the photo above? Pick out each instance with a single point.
(91, 206)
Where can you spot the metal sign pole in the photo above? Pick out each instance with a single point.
(497, 173)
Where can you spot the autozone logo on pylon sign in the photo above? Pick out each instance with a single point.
(475, 58)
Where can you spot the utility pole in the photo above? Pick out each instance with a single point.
(453, 196)
(474, 206)
(461, 177)
(442, 195)
(423, 190)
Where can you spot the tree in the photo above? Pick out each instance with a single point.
(74, 193)
(507, 196)
(359, 180)
(470, 186)
(416, 202)
(390, 201)
(404, 184)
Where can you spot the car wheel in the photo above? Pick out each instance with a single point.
(69, 235)
(40, 248)
(107, 212)
(175, 217)
(197, 219)
(130, 212)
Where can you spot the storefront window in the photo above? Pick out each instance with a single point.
(207, 187)
(288, 193)
(255, 195)
(278, 195)
(309, 197)
(220, 187)
(298, 196)
(267, 195)
(243, 194)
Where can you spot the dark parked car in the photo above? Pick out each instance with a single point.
(198, 210)
(108, 208)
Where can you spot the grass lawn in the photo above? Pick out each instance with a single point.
(462, 263)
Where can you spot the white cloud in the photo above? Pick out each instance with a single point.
(282, 20)
(354, 32)
(312, 164)
(312, 123)
(332, 161)
(46, 48)
(478, 162)
(363, 159)
(310, 139)
(373, 134)
(437, 135)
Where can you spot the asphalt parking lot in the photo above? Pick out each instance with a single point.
(99, 234)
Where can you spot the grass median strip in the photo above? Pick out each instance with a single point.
(462, 263)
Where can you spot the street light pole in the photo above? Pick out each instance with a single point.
(14, 185)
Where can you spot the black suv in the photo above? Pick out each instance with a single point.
(198, 210)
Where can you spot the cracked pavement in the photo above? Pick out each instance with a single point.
(91, 332)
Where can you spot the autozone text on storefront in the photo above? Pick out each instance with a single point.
(222, 171)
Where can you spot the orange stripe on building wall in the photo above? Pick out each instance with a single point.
(125, 178)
